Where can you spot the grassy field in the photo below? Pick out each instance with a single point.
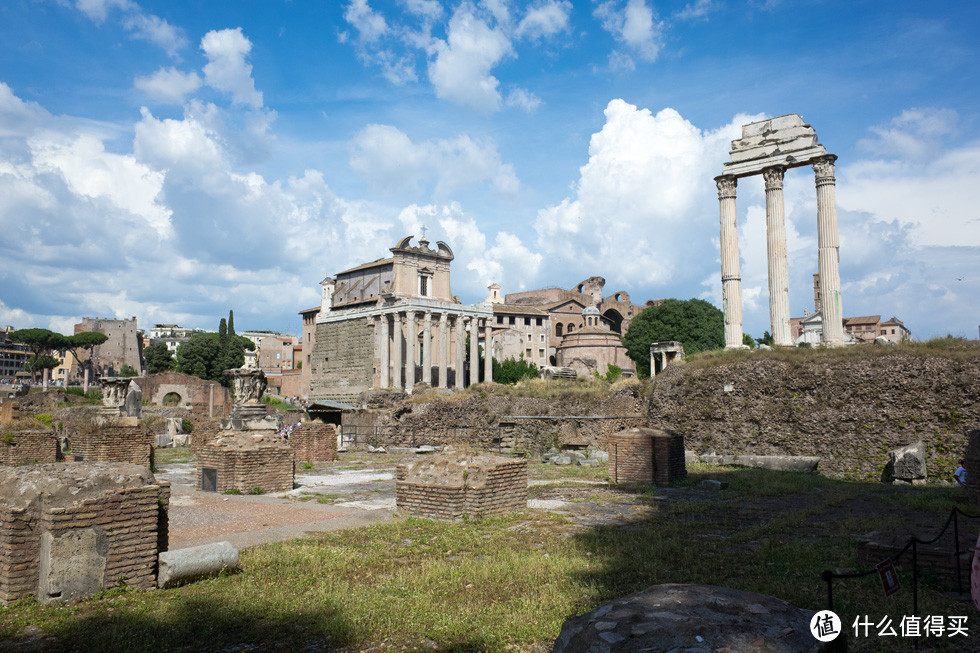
(507, 583)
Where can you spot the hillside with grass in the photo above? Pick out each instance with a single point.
(849, 406)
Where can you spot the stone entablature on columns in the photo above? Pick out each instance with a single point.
(769, 147)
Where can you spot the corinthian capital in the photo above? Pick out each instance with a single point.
(774, 177)
(823, 169)
(726, 186)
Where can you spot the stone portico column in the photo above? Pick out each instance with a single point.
(460, 352)
(778, 262)
(443, 350)
(427, 349)
(411, 336)
(487, 352)
(731, 279)
(828, 259)
(384, 356)
(474, 351)
(396, 332)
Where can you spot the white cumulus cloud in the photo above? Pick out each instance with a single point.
(169, 85)
(227, 69)
(545, 19)
(635, 25)
(461, 65)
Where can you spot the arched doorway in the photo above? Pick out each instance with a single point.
(171, 399)
(615, 319)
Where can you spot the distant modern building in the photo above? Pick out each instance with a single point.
(172, 335)
(13, 355)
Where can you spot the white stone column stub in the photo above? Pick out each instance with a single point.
(828, 257)
(731, 280)
(397, 346)
(443, 350)
(778, 262)
(411, 338)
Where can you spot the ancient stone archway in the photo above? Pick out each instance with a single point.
(171, 399)
(615, 319)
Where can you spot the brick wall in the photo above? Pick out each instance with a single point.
(314, 442)
(193, 391)
(643, 455)
(668, 457)
(9, 411)
(29, 447)
(443, 488)
(128, 521)
(114, 443)
(631, 457)
(268, 465)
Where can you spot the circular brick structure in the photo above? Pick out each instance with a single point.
(631, 457)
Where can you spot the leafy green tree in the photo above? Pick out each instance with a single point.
(159, 359)
(198, 356)
(42, 362)
(766, 339)
(748, 341)
(695, 323)
(126, 370)
(512, 370)
(40, 342)
(84, 341)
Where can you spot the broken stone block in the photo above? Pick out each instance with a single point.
(906, 464)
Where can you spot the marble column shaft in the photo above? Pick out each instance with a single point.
(427, 349)
(778, 261)
(396, 333)
(731, 280)
(828, 258)
(384, 356)
(474, 351)
(443, 350)
(460, 352)
(411, 337)
(487, 352)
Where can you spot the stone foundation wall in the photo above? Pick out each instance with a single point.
(62, 545)
(194, 393)
(314, 442)
(443, 488)
(29, 447)
(9, 411)
(115, 444)
(269, 467)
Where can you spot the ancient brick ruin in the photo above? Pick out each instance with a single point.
(9, 411)
(69, 531)
(638, 456)
(314, 442)
(120, 441)
(246, 461)
(449, 486)
(29, 447)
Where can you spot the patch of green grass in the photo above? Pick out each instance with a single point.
(174, 455)
(256, 490)
(234, 491)
(329, 498)
(507, 583)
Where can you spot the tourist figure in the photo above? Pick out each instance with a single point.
(960, 474)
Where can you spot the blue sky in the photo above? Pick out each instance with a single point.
(174, 160)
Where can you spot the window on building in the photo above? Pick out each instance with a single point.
(539, 321)
(542, 337)
(512, 321)
(884, 332)
(527, 352)
(893, 331)
(571, 327)
(527, 321)
(500, 319)
(541, 353)
(424, 285)
(558, 329)
(529, 337)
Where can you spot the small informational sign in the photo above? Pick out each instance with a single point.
(889, 577)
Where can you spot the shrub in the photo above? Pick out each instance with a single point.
(256, 490)
(187, 425)
(43, 419)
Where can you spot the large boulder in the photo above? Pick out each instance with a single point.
(691, 618)
(906, 464)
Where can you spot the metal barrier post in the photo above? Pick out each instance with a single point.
(915, 578)
(829, 578)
